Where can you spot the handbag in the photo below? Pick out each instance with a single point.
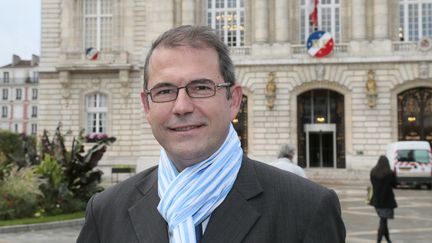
(369, 194)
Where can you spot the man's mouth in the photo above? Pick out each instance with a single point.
(185, 128)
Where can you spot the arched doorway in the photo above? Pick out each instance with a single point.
(321, 133)
(415, 114)
(240, 124)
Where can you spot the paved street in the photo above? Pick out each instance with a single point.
(412, 223)
(413, 217)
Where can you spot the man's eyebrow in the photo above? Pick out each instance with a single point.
(164, 84)
(200, 80)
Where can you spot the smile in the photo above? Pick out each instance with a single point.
(185, 128)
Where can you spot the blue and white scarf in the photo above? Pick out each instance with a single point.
(189, 197)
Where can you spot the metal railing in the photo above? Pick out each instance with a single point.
(402, 46)
(27, 80)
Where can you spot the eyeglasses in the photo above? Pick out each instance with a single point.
(166, 92)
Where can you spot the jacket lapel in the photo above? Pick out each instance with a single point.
(146, 220)
(234, 218)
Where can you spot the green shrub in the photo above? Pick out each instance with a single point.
(19, 193)
(54, 187)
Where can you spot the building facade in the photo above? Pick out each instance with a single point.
(339, 111)
(19, 95)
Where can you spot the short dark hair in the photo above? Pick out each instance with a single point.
(286, 151)
(195, 37)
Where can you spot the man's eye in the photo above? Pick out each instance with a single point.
(201, 87)
(164, 91)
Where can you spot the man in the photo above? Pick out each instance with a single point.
(204, 186)
(284, 162)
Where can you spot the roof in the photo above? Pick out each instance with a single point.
(20, 64)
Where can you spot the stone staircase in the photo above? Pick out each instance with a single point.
(338, 176)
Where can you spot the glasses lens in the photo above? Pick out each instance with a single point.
(201, 88)
(164, 93)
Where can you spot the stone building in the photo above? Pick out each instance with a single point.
(19, 95)
(339, 111)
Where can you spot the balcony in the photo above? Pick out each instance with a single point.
(404, 46)
(111, 60)
(18, 81)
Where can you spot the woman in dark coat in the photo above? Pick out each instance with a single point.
(383, 180)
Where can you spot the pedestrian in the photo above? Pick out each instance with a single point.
(285, 161)
(383, 199)
(204, 188)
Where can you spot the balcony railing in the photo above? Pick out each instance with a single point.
(104, 58)
(27, 80)
(240, 51)
(404, 46)
(295, 49)
(302, 49)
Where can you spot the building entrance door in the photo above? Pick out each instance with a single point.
(320, 145)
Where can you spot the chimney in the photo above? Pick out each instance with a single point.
(15, 60)
(34, 60)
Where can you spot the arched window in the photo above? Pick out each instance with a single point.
(328, 19)
(98, 15)
(415, 114)
(415, 19)
(96, 113)
(227, 18)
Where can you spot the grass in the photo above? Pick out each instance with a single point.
(46, 219)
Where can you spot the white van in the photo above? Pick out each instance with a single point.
(411, 161)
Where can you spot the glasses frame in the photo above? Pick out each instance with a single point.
(215, 87)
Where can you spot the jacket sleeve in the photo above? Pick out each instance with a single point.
(327, 225)
(89, 232)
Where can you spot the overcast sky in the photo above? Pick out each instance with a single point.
(19, 29)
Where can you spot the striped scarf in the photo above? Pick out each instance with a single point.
(189, 197)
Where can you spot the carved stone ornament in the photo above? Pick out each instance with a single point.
(64, 80)
(423, 70)
(320, 71)
(270, 93)
(371, 89)
(96, 82)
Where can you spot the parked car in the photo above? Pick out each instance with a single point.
(411, 162)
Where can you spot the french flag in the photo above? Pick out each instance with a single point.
(313, 12)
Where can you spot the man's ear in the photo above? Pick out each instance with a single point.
(235, 101)
(145, 102)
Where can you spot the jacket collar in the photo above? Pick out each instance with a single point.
(230, 222)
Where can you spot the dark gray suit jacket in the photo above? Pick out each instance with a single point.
(265, 205)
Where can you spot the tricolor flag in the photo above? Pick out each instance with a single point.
(320, 44)
(92, 53)
(313, 12)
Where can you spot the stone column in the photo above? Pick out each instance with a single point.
(188, 12)
(358, 19)
(381, 19)
(261, 21)
(281, 20)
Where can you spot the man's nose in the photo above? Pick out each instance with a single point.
(183, 104)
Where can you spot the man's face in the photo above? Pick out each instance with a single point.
(189, 129)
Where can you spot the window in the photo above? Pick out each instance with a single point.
(415, 19)
(5, 93)
(328, 19)
(34, 111)
(33, 129)
(18, 111)
(6, 77)
(4, 112)
(96, 108)
(34, 94)
(16, 127)
(227, 17)
(35, 77)
(18, 94)
(98, 24)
